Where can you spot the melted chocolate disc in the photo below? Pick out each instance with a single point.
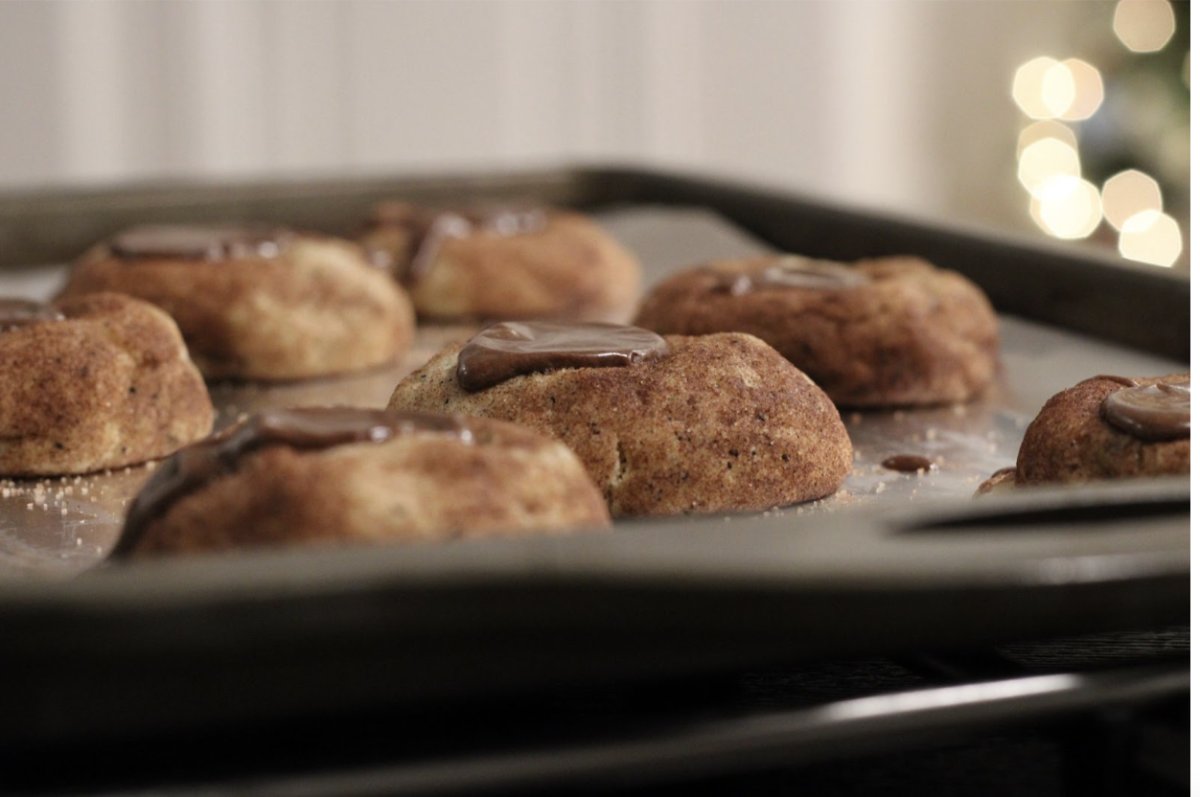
(514, 348)
(195, 242)
(1160, 411)
(193, 467)
(23, 312)
(908, 463)
(427, 230)
(797, 272)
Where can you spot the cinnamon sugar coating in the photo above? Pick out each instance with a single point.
(317, 308)
(1069, 441)
(571, 268)
(911, 334)
(507, 482)
(110, 385)
(719, 423)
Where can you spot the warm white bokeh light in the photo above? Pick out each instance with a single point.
(1129, 194)
(1087, 90)
(1069, 208)
(1151, 237)
(1144, 26)
(1058, 89)
(1045, 160)
(1046, 128)
(1027, 89)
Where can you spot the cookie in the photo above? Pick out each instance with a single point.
(669, 425)
(257, 303)
(882, 332)
(94, 382)
(502, 263)
(1001, 481)
(342, 475)
(1110, 427)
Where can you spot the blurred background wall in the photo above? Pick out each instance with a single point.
(901, 105)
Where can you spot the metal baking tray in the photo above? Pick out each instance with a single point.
(892, 563)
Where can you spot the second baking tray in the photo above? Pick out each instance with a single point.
(878, 569)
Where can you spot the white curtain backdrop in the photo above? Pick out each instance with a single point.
(896, 104)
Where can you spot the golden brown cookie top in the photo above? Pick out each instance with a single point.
(360, 475)
(874, 332)
(95, 381)
(748, 275)
(199, 242)
(718, 423)
(304, 429)
(1110, 427)
(789, 271)
(408, 238)
(257, 303)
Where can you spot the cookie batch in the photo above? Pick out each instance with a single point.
(725, 395)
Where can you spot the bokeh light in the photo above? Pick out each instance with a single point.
(1058, 89)
(1067, 102)
(1087, 90)
(1046, 128)
(1045, 160)
(1068, 207)
(1027, 89)
(1151, 237)
(1144, 26)
(1129, 194)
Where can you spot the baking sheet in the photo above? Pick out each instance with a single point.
(56, 528)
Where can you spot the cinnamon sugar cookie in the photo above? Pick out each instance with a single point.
(499, 262)
(1110, 427)
(257, 303)
(336, 475)
(880, 332)
(676, 425)
(94, 382)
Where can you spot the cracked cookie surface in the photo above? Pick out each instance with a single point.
(483, 479)
(565, 267)
(1071, 441)
(311, 307)
(108, 385)
(896, 332)
(719, 423)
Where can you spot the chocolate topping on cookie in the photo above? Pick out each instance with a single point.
(308, 428)
(22, 312)
(513, 348)
(428, 229)
(796, 272)
(1158, 411)
(195, 242)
